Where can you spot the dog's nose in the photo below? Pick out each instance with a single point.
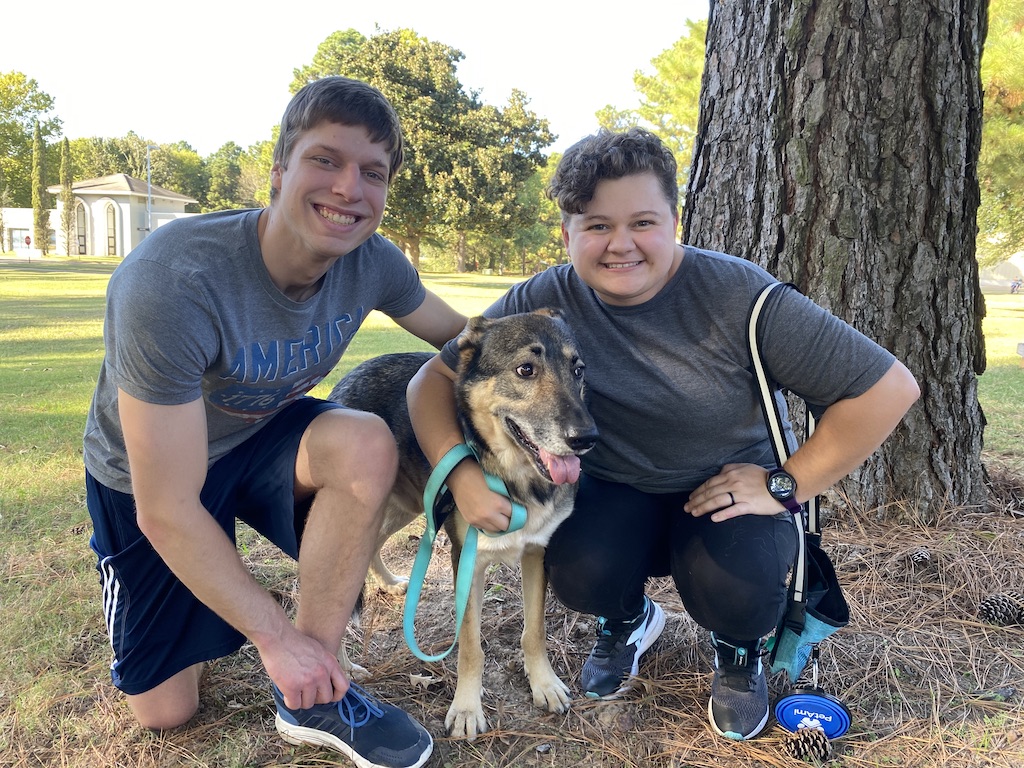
(581, 442)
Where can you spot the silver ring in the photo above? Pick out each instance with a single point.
(732, 499)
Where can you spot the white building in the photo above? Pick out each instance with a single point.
(113, 214)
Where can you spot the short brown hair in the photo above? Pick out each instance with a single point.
(609, 155)
(345, 101)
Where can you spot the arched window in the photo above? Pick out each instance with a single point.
(111, 231)
(80, 228)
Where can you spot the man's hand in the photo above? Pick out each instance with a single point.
(303, 670)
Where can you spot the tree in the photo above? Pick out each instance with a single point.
(483, 190)
(40, 198)
(837, 147)
(1001, 163)
(669, 96)
(224, 169)
(5, 202)
(23, 106)
(418, 77)
(254, 174)
(95, 157)
(670, 100)
(68, 213)
(541, 235)
(179, 168)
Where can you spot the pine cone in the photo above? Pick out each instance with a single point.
(1002, 608)
(921, 556)
(809, 744)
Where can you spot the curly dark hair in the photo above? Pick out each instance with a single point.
(610, 155)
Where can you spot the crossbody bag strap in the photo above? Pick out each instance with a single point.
(773, 420)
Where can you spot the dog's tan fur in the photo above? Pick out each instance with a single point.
(520, 393)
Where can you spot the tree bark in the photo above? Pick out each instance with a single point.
(837, 147)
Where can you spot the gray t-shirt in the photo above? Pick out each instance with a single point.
(192, 312)
(670, 382)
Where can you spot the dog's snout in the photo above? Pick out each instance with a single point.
(581, 442)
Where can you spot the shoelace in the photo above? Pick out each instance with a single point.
(610, 643)
(357, 707)
(741, 676)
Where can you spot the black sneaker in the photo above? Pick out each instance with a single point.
(617, 652)
(738, 708)
(369, 732)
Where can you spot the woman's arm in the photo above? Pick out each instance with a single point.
(847, 433)
(432, 408)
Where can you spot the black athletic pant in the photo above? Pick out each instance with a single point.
(731, 576)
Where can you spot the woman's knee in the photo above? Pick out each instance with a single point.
(736, 584)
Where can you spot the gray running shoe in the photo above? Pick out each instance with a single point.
(738, 708)
(616, 654)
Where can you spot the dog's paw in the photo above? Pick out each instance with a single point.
(551, 694)
(465, 722)
(358, 673)
(398, 586)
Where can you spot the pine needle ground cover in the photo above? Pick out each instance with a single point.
(930, 678)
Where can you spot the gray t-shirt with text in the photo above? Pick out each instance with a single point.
(192, 313)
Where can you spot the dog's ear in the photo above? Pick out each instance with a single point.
(474, 331)
(471, 340)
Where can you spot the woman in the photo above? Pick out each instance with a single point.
(683, 479)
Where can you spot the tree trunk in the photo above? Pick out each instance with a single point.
(460, 250)
(411, 246)
(837, 147)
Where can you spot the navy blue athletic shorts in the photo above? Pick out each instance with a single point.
(156, 626)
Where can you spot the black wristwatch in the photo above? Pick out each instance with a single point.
(782, 487)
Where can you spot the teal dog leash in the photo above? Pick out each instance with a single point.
(434, 489)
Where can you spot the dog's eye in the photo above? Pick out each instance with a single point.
(578, 370)
(526, 370)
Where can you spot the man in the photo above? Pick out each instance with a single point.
(216, 327)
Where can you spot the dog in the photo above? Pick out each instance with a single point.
(521, 398)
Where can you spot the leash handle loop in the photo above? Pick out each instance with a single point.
(434, 489)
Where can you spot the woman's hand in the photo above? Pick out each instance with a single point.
(739, 489)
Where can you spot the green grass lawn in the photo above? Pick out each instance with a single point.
(1001, 387)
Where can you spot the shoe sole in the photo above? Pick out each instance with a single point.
(653, 632)
(299, 735)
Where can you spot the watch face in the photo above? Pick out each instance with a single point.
(781, 486)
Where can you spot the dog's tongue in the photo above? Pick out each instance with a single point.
(563, 469)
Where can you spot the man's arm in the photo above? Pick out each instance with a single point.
(433, 321)
(431, 397)
(167, 452)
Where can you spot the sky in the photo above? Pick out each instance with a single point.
(211, 72)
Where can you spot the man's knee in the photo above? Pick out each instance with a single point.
(346, 448)
(171, 704)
